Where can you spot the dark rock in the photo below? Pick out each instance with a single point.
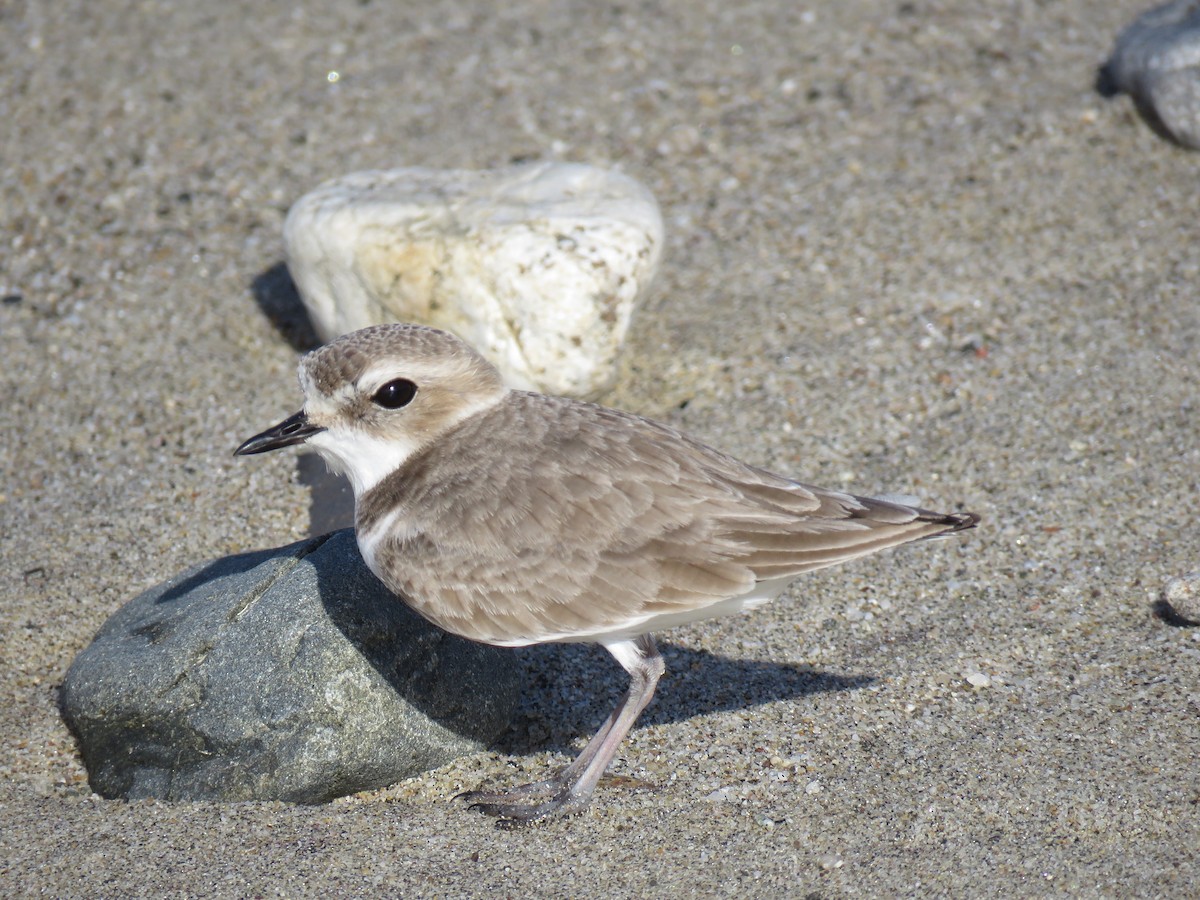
(1156, 61)
(288, 674)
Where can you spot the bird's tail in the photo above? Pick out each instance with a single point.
(953, 522)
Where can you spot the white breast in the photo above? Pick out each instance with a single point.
(395, 525)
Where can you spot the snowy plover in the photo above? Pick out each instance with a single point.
(515, 518)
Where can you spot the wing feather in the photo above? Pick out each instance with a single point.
(543, 518)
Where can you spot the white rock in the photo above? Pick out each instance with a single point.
(537, 266)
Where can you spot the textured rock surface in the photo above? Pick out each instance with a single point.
(288, 674)
(1156, 62)
(538, 266)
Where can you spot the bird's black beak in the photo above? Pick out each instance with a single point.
(292, 430)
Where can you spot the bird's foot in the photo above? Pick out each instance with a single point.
(512, 809)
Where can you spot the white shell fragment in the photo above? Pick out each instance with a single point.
(538, 266)
(1156, 62)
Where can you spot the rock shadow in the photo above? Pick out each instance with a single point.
(277, 298)
(1166, 613)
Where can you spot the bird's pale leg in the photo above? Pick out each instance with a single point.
(556, 782)
(571, 789)
(562, 778)
(645, 667)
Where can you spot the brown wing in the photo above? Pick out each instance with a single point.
(545, 516)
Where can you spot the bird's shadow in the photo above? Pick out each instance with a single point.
(394, 640)
(567, 689)
(225, 567)
(330, 497)
(277, 298)
(571, 688)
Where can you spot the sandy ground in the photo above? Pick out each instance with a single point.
(909, 251)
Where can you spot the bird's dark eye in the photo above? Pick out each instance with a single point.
(395, 394)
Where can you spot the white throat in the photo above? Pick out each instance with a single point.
(364, 459)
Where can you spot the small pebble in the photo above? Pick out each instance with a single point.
(1182, 595)
(1156, 61)
(979, 680)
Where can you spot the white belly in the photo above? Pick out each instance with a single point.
(762, 592)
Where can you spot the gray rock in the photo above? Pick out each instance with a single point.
(1156, 62)
(288, 674)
